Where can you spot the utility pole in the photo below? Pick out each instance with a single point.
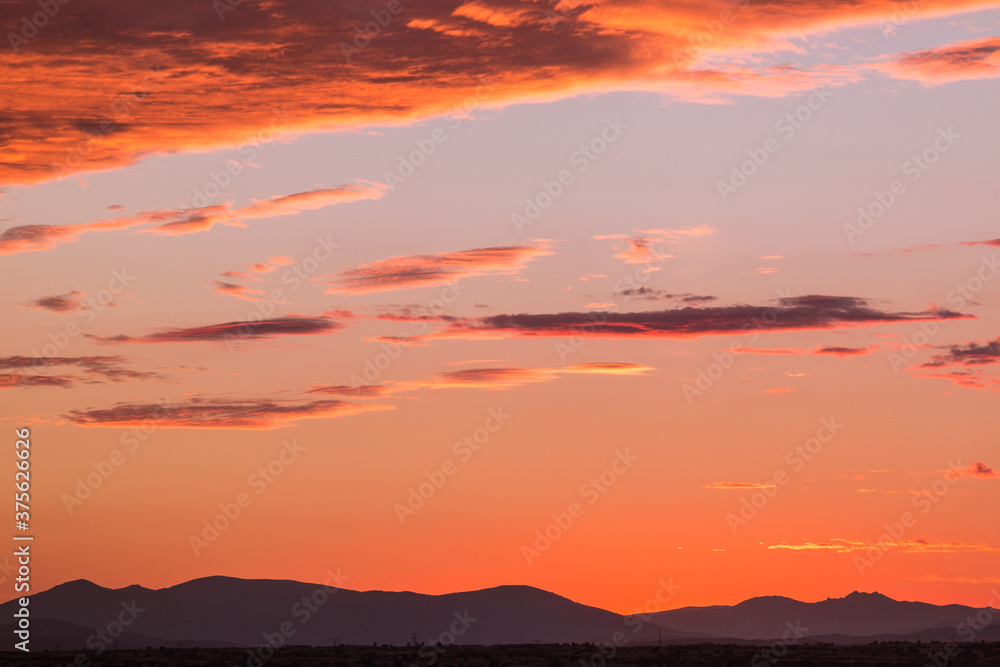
(413, 638)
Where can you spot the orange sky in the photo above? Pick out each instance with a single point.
(584, 296)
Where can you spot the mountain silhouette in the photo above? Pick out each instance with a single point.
(856, 615)
(226, 611)
(243, 612)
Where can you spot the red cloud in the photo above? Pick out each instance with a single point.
(976, 59)
(992, 242)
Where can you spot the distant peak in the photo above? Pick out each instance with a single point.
(860, 595)
(79, 584)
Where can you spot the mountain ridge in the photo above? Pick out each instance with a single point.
(222, 610)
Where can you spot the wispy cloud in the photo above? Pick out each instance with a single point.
(832, 350)
(975, 59)
(60, 303)
(490, 378)
(963, 364)
(410, 271)
(28, 238)
(288, 325)
(214, 412)
(813, 312)
(841, 545)
(25, 371)
(737, 486)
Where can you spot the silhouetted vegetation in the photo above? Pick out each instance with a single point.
(879, 654)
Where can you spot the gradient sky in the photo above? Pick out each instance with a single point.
(625, 226)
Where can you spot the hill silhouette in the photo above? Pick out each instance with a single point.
(226, 611)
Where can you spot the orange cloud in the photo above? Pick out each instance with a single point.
(483, 378)
(730, 486)
(977, 470)
(212, 412)
(81, 96)
(976, 59)
(652, 245)
(27, 238)
(841, 545)
(409, 271)
(642, 250)
(505, 378)
(238, 291)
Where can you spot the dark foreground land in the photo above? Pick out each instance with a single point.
(930, 654)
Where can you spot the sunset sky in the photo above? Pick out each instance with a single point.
(707, 292)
